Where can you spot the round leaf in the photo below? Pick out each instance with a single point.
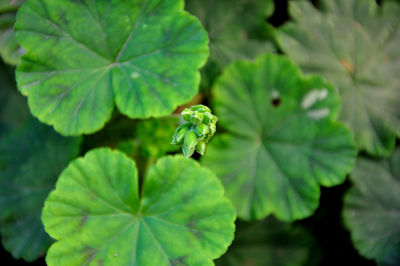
(372, 207)
(354, 44)
(31, 159)
(98, 216)
(82, 56)
(282, 142)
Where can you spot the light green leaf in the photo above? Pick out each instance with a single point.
(98, 216)
(282, 142)
(372, 207)
(10, 50)
(82, 56)
(270, 242)
(31, 159)
(234, 28)
(354, 44)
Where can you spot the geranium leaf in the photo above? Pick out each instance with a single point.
(372, 207)
(354, 44)
(31, 159)
(9, 48)
(98, 217)
(234, 28)
(82, 56)
(271, 242)
(13, 107)
(282, 141)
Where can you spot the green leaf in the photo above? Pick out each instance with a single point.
(372, 206)
(82, 56)
(13, 107)
(270, 242)
(282, 141)
(31, 159)
(354, 44)
(10, 50)
(154, 136)
(98, 216)
(234, 28)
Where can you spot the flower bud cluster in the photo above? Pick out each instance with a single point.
(196, 132)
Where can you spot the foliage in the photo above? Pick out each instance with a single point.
(31, 158)
(354, 44)
(96, 210)
(10, 50)
(144, 52)
(372, 207)
(234, 28)
(282, 140)
(170, 67)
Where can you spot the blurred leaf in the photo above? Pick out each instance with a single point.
(10, 50)
(354, 44)
(31, 158)
(13, 107)
(271, 243)
(372, 207)
(234, 28)
(98, 216)
(82, 56)
(392, 257)
(152, 138)
(282, 141)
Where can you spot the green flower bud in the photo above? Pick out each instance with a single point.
(196, 117)
(190, 139)
(201, 108)
(179, 134)
(207, 118)
(187, 152)
(201, 147)
(199, 128)
(213, 128)
(202, 130)
(186, 114)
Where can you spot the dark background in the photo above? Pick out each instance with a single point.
(325, 225)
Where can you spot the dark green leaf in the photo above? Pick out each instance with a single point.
(271, 242)
(82, 56)
(282, 141)
(372, 207)
(31, 158)
(354, 44)
(233, 27)
(98, 216)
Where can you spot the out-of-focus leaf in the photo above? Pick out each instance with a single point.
(31, 158)
(98, 217)
(271, 242)
(355, 45)
(10, 50)
(82, 56)
(152, 138)
(372, 208)
(391, 258)
(234, 28)
(282, 141)
(13, 107)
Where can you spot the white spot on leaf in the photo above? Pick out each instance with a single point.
(312, 97)
(318, 113)
(134, 75)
